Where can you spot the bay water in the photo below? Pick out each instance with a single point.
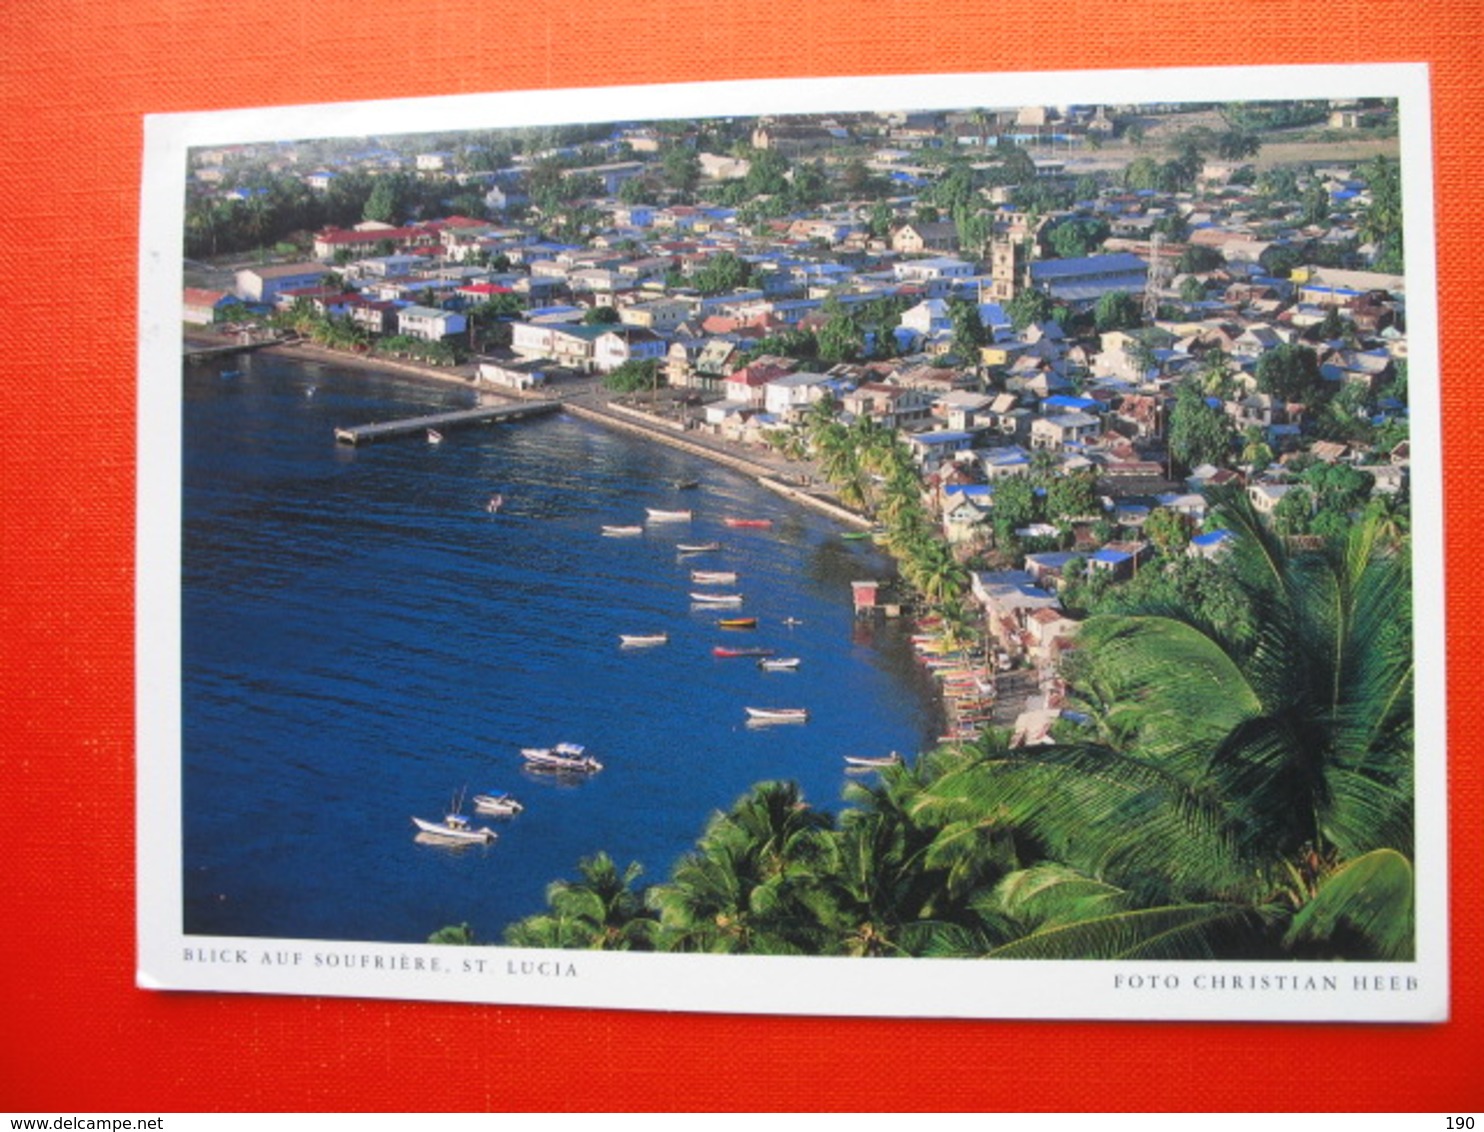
(363, 641)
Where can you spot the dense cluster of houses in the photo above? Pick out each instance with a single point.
(1032, 397)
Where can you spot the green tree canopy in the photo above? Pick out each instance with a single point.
(1289, 371)
(1117, 310)
(1199, 432)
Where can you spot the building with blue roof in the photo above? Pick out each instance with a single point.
(1086, 279)
(1212, 544)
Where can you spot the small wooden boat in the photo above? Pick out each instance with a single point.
(687, 485)
(713, 577)
(455, 829)
(866, 762)
(658, 516)
(723, 651)
(622, 532)
(779, 664)
(635, 640)
(777, 715)
(738, 623)
(500, 805)
(759, 523)
(434, 436)
(697, 547)
(716, 599)
(855, 536)
(564, 756)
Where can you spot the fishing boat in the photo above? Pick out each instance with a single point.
(873, 762)
(635, 640)
(697, 547)
(738, 623)
(716, 599)
(499, 805)
(455, 829)
(779, 664)
(434, 436)
(622, 532)
(658, 516)
(713, 577)
(564, 756)
(723, 651)
(777, 715)
(760, 523)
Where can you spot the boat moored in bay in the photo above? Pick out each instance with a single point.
(564, 756)
(639, 640)
(453, 829)
(498, 805)
(777, 715)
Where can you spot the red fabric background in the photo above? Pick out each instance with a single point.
(76, 1035)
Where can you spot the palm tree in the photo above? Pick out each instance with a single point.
(897, 891)
(1249, 800)
(754, 883)
(599, 912)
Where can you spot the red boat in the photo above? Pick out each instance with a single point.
(726, 652)
(748, 522)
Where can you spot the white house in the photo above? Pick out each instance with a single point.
(263, 284)
(1058, 431)
(613, 347)
(430, 323)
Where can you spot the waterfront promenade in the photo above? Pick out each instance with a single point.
(797, 480)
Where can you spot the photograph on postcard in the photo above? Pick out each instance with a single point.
(942, 545)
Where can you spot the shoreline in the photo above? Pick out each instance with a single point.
(589, 404)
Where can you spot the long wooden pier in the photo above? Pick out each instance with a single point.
(203, 353)
(461, 418)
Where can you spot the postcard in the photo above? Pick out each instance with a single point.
(935, 546)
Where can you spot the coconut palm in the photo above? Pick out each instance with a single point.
(753, 884)
(896, 891)
(1254, 800)
(601, 912)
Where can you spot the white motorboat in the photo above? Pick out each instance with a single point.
(713, 577)
(455, 829)
(658, 516)
(697, 547)
(499, 805)
(777, 715)
(716, 599)
(564, 756)
(638, 640)
(622, 531)
(873, 762)
(779, 663)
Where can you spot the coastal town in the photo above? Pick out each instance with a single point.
(1075, 368)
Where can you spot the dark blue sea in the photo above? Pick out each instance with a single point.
(363, 642)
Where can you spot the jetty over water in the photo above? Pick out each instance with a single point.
(460, 418)
(201, 353)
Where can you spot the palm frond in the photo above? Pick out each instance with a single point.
(1364, 909)
(1183, 932)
